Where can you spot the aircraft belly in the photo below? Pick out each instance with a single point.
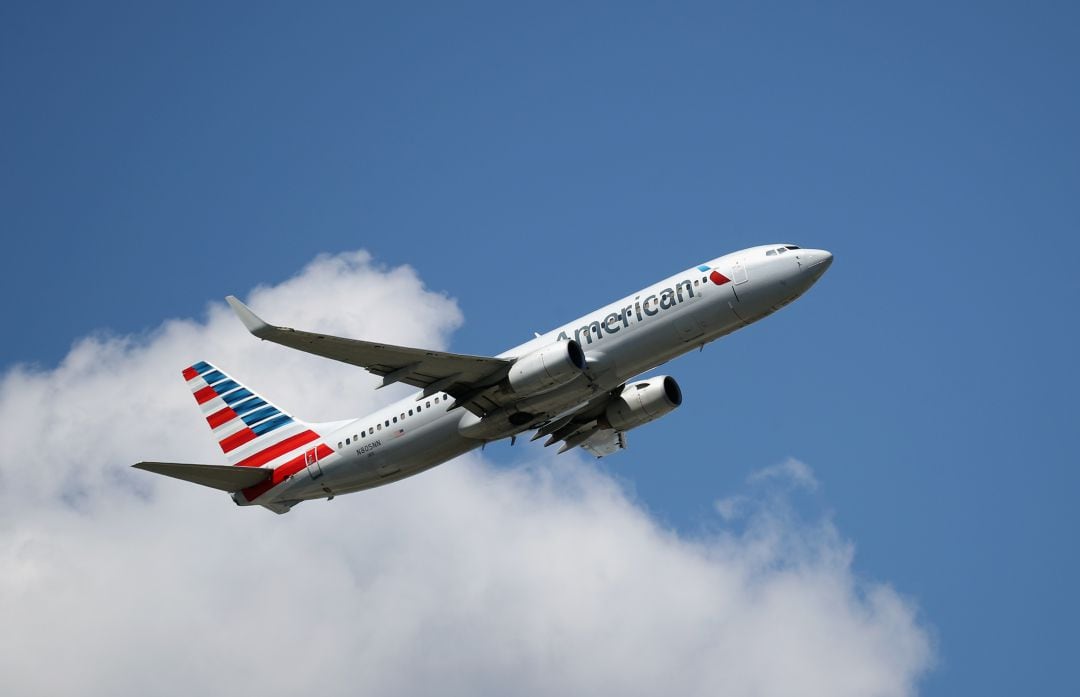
(403, 456)
(645, 346)
(691, 321)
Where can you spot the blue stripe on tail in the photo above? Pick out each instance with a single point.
(213, 376)
(257, 416)
(274, 423)
(246, 406)
(236, 396)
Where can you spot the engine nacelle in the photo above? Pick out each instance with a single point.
(546, 368)
(642, 402)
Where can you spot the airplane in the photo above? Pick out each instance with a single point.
(573, 385)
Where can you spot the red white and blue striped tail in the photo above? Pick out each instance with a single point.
(251, 431)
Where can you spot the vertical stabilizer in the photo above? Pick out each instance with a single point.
(252, 431)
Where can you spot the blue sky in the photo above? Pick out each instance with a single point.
(534, 162)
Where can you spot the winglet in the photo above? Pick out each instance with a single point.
(253, 322)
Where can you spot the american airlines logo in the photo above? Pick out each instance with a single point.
(642, 309)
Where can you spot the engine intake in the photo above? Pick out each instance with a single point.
(642, 402)
(546, 368)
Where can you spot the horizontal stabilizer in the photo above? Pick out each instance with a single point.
(224, 477)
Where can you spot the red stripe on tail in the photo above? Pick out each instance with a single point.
(205, 395)
(220, 417)
(237, 439)
(283, 472)
(190, 373)
(289, 444)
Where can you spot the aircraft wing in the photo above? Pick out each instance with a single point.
(466, 378)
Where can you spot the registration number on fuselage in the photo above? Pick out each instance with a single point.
(366, 449)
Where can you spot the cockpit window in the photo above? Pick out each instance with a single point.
(770, 253)
(781, 250)
(790, 246)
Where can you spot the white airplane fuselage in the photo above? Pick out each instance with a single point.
(620, 341)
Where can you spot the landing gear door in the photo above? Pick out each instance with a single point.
(311, 461)
(739, 274)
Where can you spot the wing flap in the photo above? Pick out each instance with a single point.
(604, 442)
(223, 477)
(582, 427)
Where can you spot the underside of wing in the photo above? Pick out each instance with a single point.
(466, 378)
(604, 442)
(600, 425)
(224, 477)
(584, 427)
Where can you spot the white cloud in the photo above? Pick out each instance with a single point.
(543, 579)
(731, 507)
(792, 472)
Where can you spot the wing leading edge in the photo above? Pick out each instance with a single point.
(462, 376)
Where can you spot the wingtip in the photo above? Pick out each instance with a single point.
(252, 322)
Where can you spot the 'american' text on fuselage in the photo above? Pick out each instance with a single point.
(641, 309)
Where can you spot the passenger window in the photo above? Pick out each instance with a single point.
(436, 400)
(410, 412)
(378, 426)
(347, 441)
(395, 419)
(339, 445)
(402, 416)
(427, 404)
(417, 408)
(696, 282)
(387, 422)
(363, 434)
(355, 437)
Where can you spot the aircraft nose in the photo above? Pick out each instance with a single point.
(818, 262)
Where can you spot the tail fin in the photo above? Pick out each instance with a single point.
(251, 431)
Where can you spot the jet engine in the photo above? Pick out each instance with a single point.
(641, 402)
(546, 368)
